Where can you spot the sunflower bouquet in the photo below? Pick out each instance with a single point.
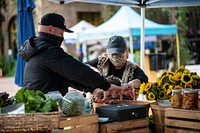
(162, 88)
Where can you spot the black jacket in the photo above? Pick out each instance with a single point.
(49, 68)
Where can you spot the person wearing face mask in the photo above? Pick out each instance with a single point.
(49, 68)
(114, 62)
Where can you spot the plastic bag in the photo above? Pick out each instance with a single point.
(13, 109)
(73, 104)
(55, 95)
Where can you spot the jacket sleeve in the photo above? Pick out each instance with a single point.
(93, 62)
(139, 74)
(80, 87)
(65, 65)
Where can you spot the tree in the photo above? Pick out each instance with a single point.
(179, 16)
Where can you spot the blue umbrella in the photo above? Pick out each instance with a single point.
(25, 30)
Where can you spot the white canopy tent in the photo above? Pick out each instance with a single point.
(71, 38)
(126, 22)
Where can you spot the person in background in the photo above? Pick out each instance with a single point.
(114, 62)
(49, 68)
(79, 53)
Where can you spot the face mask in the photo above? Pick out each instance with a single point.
(58, 40)
(118, 62)
(52, 38)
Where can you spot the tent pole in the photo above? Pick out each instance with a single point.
(77, 45)
(178, 49)
(131, 43)
(77, 42)
(142, 33)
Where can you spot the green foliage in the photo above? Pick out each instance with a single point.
(35, 101)
(2, 61)
(182, 20)
(179, 16)
(151, 120)
(3, 5)
(151, 124)
(8, 66)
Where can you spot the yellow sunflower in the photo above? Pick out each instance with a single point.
(161, 95)
(164, 74)
(155, 85)
(170, 74)
(171, 79)
(195, 82)
(177, 77)
(180, 69)
(165, 87)
(142, 87)
(159, 80)
(169, 91)
(197, 77)
(164, 80)
(148, 86)
(151, 96)
(186, 78)
(186, 71)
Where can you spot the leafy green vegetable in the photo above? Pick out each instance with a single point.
(41, 94)
(35, 101)
(47, 106)
(20, 97)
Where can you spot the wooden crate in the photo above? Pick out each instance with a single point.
(158, 116)
(87, 123)
(130, 126)
(182, 121)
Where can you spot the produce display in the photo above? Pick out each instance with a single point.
(73, 104)
(176, 99)
(55, 95)
(188, 100)
(34, 101)
(5, 100)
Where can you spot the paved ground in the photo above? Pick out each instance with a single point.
(8, 85)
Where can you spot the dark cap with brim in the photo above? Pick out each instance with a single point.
(55, 20)
(116, 50)
(116, 45)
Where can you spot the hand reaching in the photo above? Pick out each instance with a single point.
(129, 89)
(113, 92)
(98, 95)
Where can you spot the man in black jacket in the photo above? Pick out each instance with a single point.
(49, 68)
